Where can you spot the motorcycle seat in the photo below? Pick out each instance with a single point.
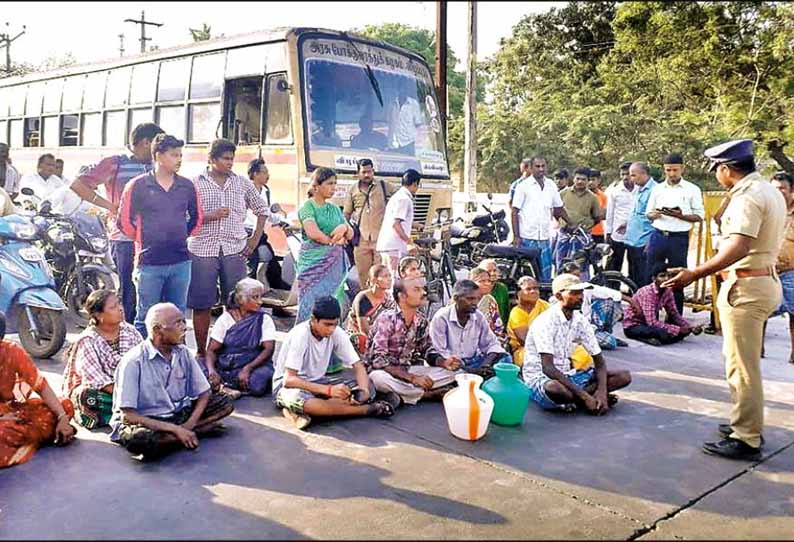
(511, 252)
(426, 242)
(484, 220)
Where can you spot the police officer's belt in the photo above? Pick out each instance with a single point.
(744, 273)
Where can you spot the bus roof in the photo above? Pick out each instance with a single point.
(226, 42)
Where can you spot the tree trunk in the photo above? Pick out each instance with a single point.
(775, 148)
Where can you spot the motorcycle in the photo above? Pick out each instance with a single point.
(591, 257)
(28, 294)
(76, 246)
(284, 295)
(484, 228)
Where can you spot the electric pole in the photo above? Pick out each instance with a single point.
(121, 45)
(441, 61)
(143, 22)
(470, 134)
(7, 40)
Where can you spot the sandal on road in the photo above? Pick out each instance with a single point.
(380, 409)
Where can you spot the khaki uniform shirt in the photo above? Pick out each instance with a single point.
(785, 260)
(368, 214)
(757, 210)
(581, 208)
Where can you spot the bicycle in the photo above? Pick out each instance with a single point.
(437, 265)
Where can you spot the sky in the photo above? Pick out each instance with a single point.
(90, 30)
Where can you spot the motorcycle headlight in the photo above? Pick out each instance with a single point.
(56, 234)
(99, 244)
(24, 231)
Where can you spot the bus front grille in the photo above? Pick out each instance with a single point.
(421, 209)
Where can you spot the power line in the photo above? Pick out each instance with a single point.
(7, 40)
(143, 22)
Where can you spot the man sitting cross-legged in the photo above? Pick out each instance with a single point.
(641, 318)
(161, 399)
(461, 332)
(400, 350)
(549, 344)
(300, 387)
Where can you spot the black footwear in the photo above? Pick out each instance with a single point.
(725, 430)
(620, 342)
(732, 449)
(653, 341)
(612, 400)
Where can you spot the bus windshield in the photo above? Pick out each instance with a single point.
(346, 120)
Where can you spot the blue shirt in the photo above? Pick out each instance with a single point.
(639, 227)
(154, 386)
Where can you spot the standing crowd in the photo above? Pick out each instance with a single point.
(179, 243)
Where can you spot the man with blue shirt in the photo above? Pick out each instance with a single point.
(639, 228)
(162, 400)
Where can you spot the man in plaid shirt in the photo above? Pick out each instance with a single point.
(220, 248)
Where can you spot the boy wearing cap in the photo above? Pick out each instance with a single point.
(549, 345)
(752, 227)
(674, 206)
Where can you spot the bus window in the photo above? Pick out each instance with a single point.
(92, 130)
(172, 120)
(279, 129)
(3, 131)
(243, 98)
(16, 132)
(173, 80)
(5, 94)
(118, 87)
(204, 122)
(73, 93)
(52, 96)
(144, 79)
(94, 91)
(206, 80)
(16, 101)
(33, 132)
(246, 61)
(139, 116)
(51, 136)
(33, 103)
(115, 128)
(69, 133)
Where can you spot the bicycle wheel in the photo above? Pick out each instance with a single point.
(617, 281)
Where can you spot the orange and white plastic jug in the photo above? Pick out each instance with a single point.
(468, 408)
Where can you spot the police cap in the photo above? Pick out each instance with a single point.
(729, 152)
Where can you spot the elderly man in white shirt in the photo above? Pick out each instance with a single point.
(44, 182)
(674, 206)
(535, 200)
(620, 202)
(550, 342)
(394, 238)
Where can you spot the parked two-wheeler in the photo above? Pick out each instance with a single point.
(284, 295)
(484, 228)
(75, 246)
(28, 296)
(591, 258)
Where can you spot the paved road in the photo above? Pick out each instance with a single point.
(635, 474)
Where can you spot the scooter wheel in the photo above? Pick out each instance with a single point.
(51, 326)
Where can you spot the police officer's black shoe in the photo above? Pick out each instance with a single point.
(725, 430)
(732, 449)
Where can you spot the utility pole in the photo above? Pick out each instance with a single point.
(470, 134)
(441, 61)
(7, 40)
(121, 45)
(143, 22)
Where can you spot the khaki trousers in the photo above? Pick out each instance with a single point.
(744, 306)
(384, 382)
(365, 257)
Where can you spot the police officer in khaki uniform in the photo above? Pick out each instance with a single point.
(752, 230)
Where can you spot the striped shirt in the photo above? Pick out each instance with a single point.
(115, 172)
(226, 235)
(160, 221)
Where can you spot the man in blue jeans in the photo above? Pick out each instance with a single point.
(160, 210)
(534, 201)
(115, 172)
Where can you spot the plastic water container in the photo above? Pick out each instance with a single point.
(468, 408)
(510, 395)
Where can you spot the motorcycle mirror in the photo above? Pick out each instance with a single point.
(28, 191)
(275, 208)
(46, 207)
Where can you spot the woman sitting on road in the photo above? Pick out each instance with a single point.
(488, 304)
(322, 263)
(521, 317)
(368, 304)
(242, 342)
(27, 424)
(91, 361)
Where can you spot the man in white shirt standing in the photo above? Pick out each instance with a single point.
(674, 206)
(394, 239)
(536, 199)
(9, 176)
(620, 202)
(404, 119)
(44, 181)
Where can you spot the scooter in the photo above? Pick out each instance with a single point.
(279, 299)
(27, 290)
